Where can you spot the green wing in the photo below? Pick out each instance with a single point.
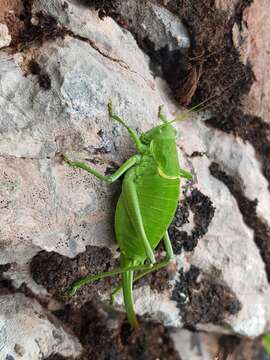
(158, 199)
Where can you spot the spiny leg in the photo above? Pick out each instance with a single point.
(132, 206)
(160, 265)
(110, 178)
(133, 135)
(90, 278)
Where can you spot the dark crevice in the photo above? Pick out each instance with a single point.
(104, 7)
(248, 210)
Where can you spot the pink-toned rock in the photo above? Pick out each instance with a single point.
(11, 14)
(257, 52)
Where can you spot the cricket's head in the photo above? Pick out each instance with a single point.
(160, 132)
(162, 144)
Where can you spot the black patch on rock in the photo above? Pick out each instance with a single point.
(57, 357)
(4, 268)
(43, 78)
(46, 29)
(233, 347)
(203, 300)
(248, 210)
(203, 211)
(44, 81)
(104, 7)
(5, 284)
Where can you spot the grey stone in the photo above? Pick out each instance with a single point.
(27, 333)
(155, 23)
(195, 345)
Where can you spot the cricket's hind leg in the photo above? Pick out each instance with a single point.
(131, 203)
(158, 266)
(90, 278)
(127, 284)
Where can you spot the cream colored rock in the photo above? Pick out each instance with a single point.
(5, 37)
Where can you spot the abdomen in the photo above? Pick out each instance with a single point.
(158, 199)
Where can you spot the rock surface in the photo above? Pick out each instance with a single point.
(45, 205)
(27, 332)
(254, 42)
(5, 37)
(153, 23)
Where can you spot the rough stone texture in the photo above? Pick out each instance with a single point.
(156, 306)
(5, 37)
(222, 252)
(57, 204)
(236, 158)
(227, 6)
(195, 346)
(27, 333)
(209, 346)
(10, 12)
(154, 23)
(254, 43)
(45, 205)
(86, 24)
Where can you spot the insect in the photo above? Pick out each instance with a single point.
(145, 208)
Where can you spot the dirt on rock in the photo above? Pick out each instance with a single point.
(103, 332)
(235, 348)
(212, 54)
(203, 213)
(202, 299)
(104, 7)
(57, 273)
(24, 29)
(222, 79)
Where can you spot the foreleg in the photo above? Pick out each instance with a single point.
(132, 134)
(110, 178)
